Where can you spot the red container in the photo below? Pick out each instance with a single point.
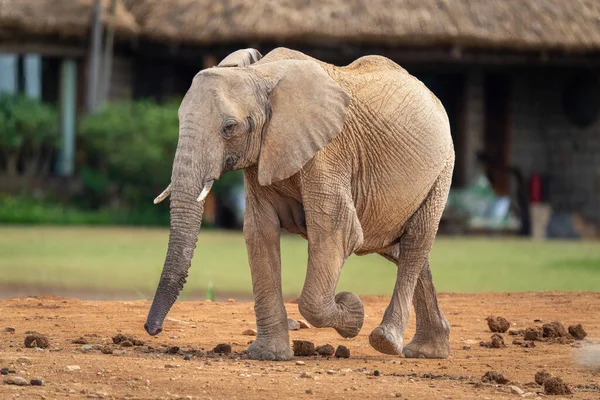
(535, 189)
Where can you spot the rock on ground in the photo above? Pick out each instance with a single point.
(16, 380)
(293, 325)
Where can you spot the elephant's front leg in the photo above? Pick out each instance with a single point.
(261, 230)
(334, 232)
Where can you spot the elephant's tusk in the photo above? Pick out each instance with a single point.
(205, 190)
(165, 193)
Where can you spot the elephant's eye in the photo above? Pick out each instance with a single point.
(229, 127)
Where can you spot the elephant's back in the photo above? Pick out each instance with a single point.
(398, 137)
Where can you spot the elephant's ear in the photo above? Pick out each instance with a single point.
(308, 109)
(241, 58)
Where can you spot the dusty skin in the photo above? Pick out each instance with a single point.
(155, 375)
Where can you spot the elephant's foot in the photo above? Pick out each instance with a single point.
(270, 349)
(352, 313)
(427, 348)
(346, 315)
(386, 340)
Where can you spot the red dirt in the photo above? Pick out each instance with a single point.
(197, 327)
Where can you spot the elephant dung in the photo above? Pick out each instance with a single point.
(577, 332)
(303, 348)
(36, 340)
(497, 342)
(222, 348)
(293, 325)
(533, 334)
(342, 352)
(554, 330)
(326, 350)
(498, 324)
(541, 377)
(556, 386)
(494, 377)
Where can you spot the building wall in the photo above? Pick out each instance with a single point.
(545, 141)
(121, 82)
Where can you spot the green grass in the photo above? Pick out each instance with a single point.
(130, 259)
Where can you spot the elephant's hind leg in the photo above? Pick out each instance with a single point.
(432, 338)
(414, 281)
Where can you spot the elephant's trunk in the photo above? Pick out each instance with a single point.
(186, 218)
(191, 181)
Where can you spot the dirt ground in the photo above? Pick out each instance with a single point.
(142, 373)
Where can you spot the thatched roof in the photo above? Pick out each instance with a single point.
(572, 25)
(66, 18)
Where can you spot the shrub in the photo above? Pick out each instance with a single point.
(128, 152)
(28, 135)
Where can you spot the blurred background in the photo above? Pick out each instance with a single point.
(89, 92)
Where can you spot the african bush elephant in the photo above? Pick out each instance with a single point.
(356, 159)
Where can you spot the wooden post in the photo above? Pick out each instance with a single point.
(68, 97)
(94, 58)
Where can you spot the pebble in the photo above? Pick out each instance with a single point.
(24, 360)
(249, 332)
(72, 368)
(4, 371)
(293, 325)
(16, 380)
(9, 330)
(309, 391)
(95, 396)
(172, 365)
(300, 363)
(330, 372)
(516, 390)
(186, 358)
(304, 324)
(376, 373)
(307, 375)
(37, 382)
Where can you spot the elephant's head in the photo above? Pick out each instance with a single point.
(277, 114)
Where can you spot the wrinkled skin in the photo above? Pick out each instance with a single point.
(356, 159)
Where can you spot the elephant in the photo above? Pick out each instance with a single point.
(357, 159)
